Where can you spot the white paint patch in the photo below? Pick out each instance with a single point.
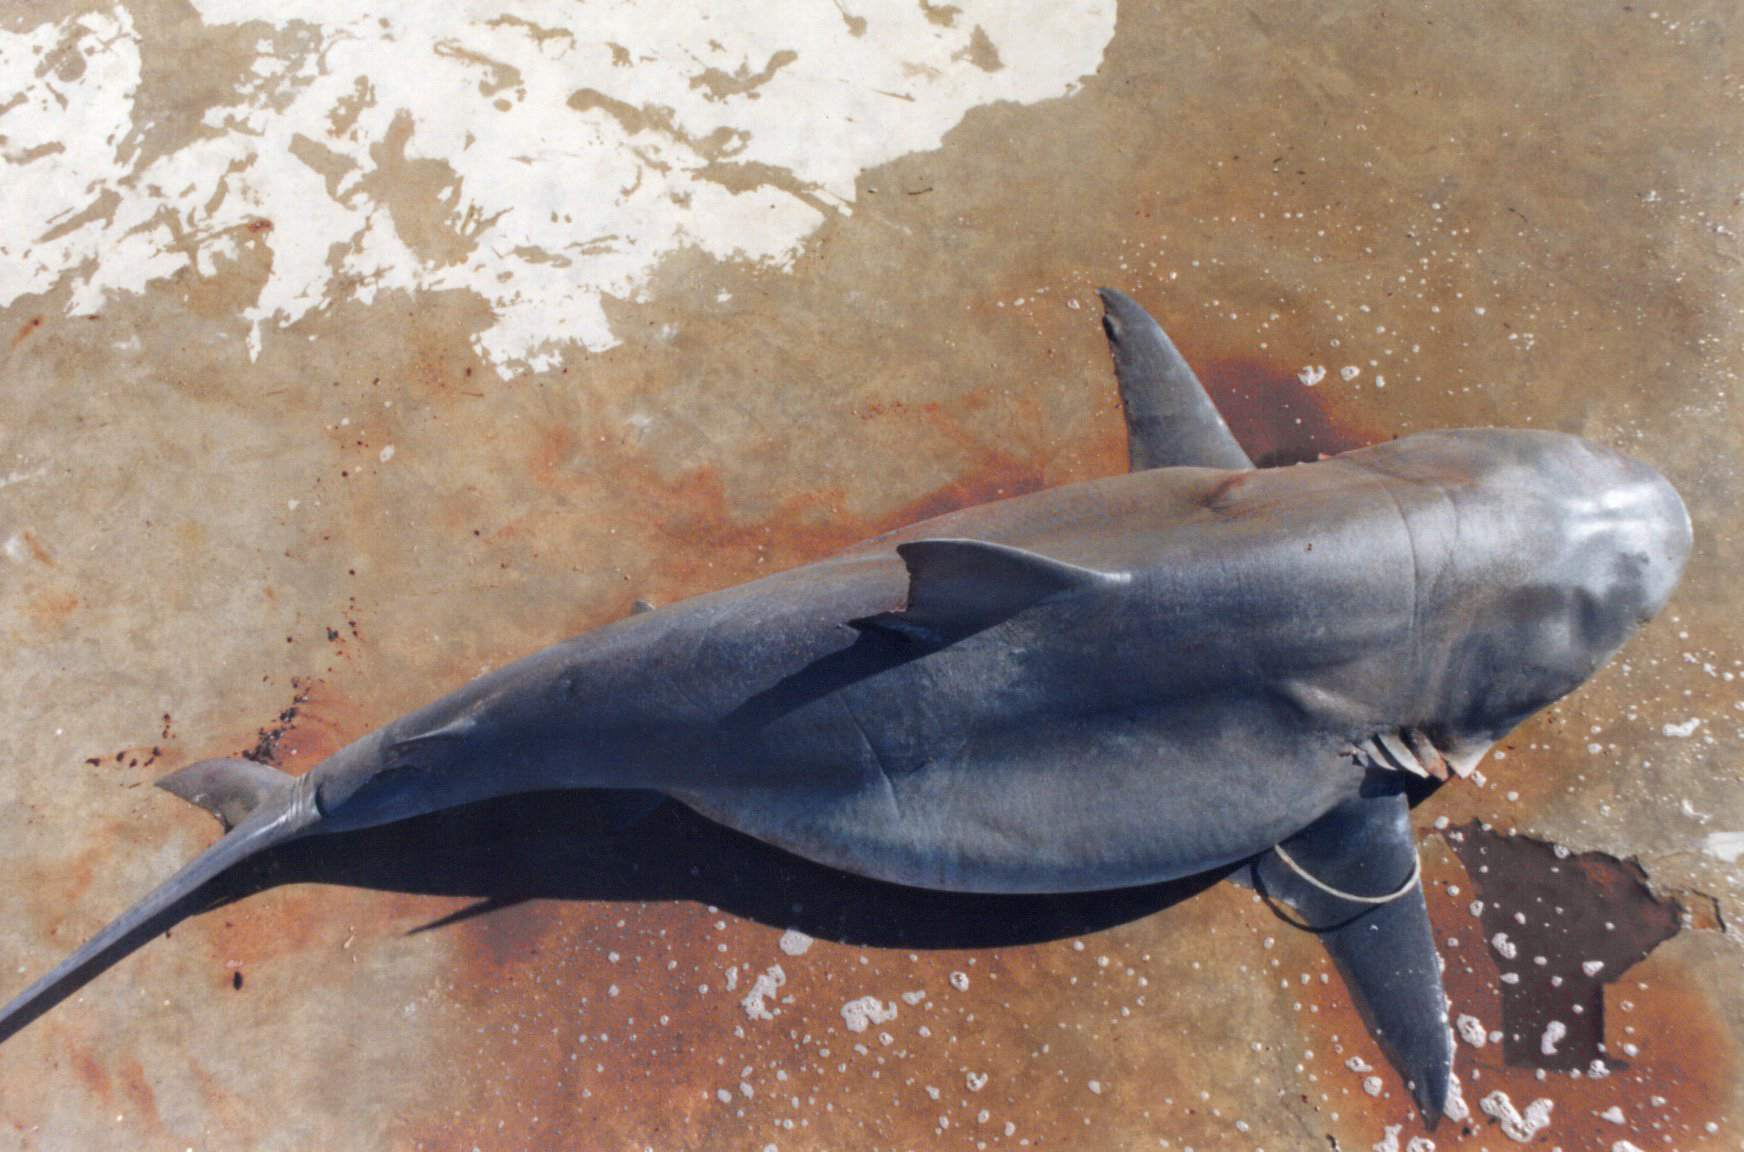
(1515, 1126)
(794, 942)
(763, 989)
(1686, 729)
(1724, 846)
(858, 1014)
(573, 148)
(1471, 1030)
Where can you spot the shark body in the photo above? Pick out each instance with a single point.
(1106, 684)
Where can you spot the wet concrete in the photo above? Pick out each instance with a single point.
(1492, 216)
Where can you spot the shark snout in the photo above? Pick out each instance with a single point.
(1637, 517)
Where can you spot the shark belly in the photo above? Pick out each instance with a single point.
(1080, 803)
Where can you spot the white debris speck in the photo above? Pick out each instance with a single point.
(1553, 1034)
(1614, 1114)
(292, 504)
(914, 997)
(732, 979)
(1096, 1087)
(960, 981)
(1471, 1030)
(867, 1010)
(1476, 908)
(1349, 372)
(1504, 947)
(1372, 1085)
(1516, 1127)
(1358, 1065)
(976, 1081)
(762, 989)
(1592, 967)
(1687, 728)
(1388, 1142)
(1598, 1070)
(1624, 1146)
(387, 453)
(1311, 375)
(794, 942)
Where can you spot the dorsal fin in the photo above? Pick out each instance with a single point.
(956, 587)
(229, 789)
(1170, 421)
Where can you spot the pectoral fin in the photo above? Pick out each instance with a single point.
(957, 587)
(1352, 877)
(1170, 421)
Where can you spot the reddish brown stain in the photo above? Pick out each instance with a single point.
(137, 1091)
(25, 329)
(36, 548)
(320, 720)
(51, 609)
(1275, 417)
(90, 1070)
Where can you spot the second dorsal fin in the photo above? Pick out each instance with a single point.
(1170, 421)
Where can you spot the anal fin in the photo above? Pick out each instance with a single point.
(1386, 951)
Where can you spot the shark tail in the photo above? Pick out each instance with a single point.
(263, 818)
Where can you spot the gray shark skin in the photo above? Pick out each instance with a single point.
(1105, 684)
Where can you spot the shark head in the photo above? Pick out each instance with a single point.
(1538, 555)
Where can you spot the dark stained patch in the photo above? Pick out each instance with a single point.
(1560, 915)
(1275, 417)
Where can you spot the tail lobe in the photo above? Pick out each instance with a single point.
(286, 814)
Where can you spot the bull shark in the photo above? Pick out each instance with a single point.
(1197, 665)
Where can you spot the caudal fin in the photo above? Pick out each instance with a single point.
(284, 815)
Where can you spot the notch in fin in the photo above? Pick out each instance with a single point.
(1170, 421)
(1385, 951)
(957, 587)
(228, 788)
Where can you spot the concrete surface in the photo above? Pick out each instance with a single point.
(288, 448)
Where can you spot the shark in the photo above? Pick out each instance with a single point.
(1196, 665)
